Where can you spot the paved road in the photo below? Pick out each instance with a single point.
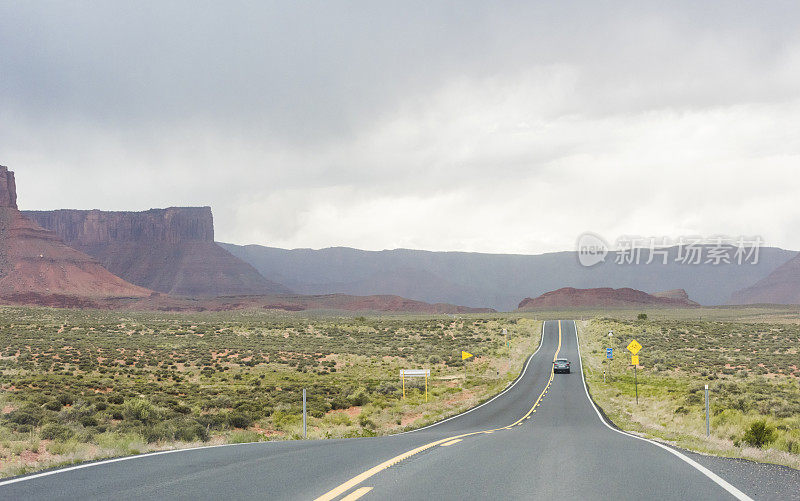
(542, 438)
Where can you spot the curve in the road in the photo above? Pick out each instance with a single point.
(564, 452)
(557, 448)
(346, 486)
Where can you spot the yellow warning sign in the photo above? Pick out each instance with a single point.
(634, 347)
(634, 359)
(465, 355)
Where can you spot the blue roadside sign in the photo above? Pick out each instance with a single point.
(609, 353)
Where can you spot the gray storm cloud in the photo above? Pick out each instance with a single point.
(508, 127)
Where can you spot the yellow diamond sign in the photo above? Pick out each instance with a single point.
(634, 347)
(465, 355)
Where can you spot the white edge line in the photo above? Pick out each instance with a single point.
(702, 469)
(112, 460)
(158, 453)
(519, 378)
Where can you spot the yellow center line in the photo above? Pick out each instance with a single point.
(452, 442)
(357, 494)
(341, 489)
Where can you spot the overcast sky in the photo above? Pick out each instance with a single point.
(475, 126)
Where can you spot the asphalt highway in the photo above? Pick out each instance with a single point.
(542, 438)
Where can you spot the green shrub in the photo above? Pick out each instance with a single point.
(359, 397)
(159, 432)
(25, 417)
(141, 410)
(55, 431)
(66, 399)
(365, 422)
(283, 420)
(759, 434)
(238, 419)
(116, 399)
(88, 421)
(77, 412)
(53, 405)
(191, 431)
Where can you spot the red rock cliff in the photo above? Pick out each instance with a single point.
(93, 227)
(35, 264)
(8, 188)
(167, 250)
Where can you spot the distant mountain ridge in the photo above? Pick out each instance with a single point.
(498, 281)
(782, 286)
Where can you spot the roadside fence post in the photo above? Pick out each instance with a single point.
(305, 430)
(708, 422)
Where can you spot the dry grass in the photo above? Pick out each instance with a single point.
(671, 402)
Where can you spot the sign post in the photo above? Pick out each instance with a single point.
(305, 430)
(465, 355)
(404, 373)
(634, 348)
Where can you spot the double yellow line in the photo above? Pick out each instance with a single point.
(341, 489)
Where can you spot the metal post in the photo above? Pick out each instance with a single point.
(708, 423)
(305, 430)
(604, 375)
(403, 377)
(426, 387)
(636, 385)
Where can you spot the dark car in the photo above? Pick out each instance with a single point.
(561, 365)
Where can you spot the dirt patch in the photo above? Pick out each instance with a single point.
(407, 419)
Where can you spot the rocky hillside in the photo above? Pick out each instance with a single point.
(782, 286)
(167, 250)
(606, 297)
(35, 262)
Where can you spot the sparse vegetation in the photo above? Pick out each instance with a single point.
(752, 369)
(79, 385)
